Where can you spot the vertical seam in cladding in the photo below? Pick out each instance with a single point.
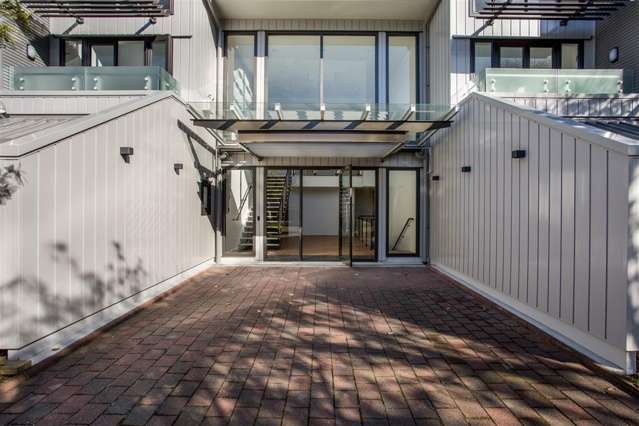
(574, 228)
(538, 212)
(548, 227)
(561, 219)
(589, 227)
(606, 239)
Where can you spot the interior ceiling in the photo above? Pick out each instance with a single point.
(413, 10)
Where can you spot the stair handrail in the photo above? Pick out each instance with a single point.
(243, 201)
(401, 234)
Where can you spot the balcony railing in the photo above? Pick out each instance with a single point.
(555, 81)
(92, 78)
(562, 10)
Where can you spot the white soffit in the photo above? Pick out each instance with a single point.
(327, 9)
(321, 144)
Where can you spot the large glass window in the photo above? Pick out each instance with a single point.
(483, 56)
(541, 57)
(349, 69)
(131, 53)
(403, 219)
(159, 54)
(240, 68)
(102, 55)
(402, 70)
(73, 53)
(293, 69)
(537, 54)
(110, 51)
(511, 57)
(570, 55)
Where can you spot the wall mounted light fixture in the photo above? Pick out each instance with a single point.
(519, 153)
(31, 52)
(126, 152)
(465, 169)
(177, 167)
(436, 177)
(613, 55)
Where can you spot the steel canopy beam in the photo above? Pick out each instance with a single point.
(100, 8)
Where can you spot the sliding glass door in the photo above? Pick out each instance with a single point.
(402, 212)
(310, 214)
(239, 208)
(282, 214)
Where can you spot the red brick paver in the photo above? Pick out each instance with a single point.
(260, 345)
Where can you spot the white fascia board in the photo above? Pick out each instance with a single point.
(608, 140)
(38, 140)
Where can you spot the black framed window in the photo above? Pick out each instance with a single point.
(240, 67)
(117, 51)
(402, 60)
(321, 67)
(537, 54)
(402, 212)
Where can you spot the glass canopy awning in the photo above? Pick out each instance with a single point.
(100, 8)
(234, 117)
(564, 10)
(353, 130)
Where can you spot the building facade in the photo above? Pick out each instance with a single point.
(339, 135)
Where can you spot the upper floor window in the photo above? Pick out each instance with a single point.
(402, 69)
(240, 68)
(102, 51)
(314, 69)
(537, 54)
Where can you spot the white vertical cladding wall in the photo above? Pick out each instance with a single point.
(67, 103)
(451, 28)
(194, 43)
(439, 51)
(545, 236)
(89, 232)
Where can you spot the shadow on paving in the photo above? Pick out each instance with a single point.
(250, 345)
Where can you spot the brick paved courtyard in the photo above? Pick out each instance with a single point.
(250, 345)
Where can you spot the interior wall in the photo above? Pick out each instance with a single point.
(320, 214)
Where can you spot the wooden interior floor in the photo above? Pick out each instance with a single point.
(318, 246)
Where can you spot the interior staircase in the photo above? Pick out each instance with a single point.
(276, 220)
(278, 189)
(248, 231)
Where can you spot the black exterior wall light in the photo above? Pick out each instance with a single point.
(518, 154)
(126, 152)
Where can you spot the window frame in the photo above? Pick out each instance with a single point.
(526, 44)
(321, 35)
(418, 213)
(389, 35)
(225, 56)
(88, 41)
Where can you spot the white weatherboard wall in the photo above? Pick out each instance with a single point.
(547, 236)
(194, 35)
(451, 28)
(89, 237)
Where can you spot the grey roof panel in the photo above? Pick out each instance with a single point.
(18, 126)
(628, 128)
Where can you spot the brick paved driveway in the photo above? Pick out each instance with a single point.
(246, 345)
